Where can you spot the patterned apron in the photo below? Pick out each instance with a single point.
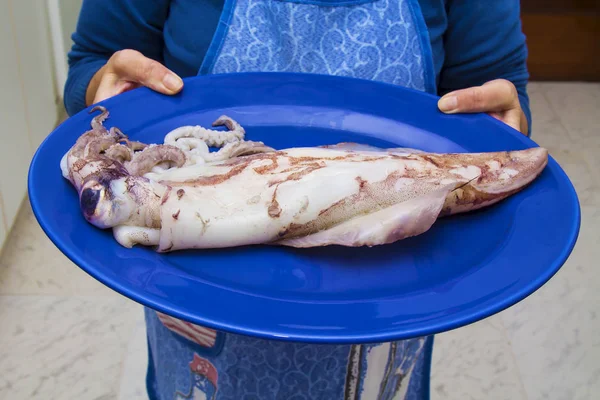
(379, 40)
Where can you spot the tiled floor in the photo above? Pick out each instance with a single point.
(63, 336)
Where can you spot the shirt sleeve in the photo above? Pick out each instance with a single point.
(105, 27)
(484, 41)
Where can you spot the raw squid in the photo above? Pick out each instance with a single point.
(179, 195)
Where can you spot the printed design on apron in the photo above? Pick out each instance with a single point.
(205, 341)
(204, 378)
(261, 369)
(203, 336)
(379, 40)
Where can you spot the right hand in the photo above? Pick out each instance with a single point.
(129, 69)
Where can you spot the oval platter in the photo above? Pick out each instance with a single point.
(465, 268)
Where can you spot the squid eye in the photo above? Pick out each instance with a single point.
(89, 200)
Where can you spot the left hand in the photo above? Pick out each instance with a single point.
(498, 98)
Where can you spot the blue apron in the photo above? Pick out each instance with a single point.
(380, 40)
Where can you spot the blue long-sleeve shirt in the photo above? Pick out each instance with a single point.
(472, 41)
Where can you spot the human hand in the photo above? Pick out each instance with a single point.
(498, 98)
(129, 69)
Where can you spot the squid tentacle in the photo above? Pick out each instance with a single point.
(195, 142)
(133, 145)
(119, 152)
(99, 119)
(211, 137)
(98, 146)
(144, 161)
(231, 124)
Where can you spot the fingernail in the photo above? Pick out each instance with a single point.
(172, 82)
(448, 103)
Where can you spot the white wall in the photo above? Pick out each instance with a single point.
(28, 100)
(69, 13)
(63, 15)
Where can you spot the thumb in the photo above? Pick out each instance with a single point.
(494, 96)
(133, 66)
(111, 85)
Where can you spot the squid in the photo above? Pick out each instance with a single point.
(179, 195)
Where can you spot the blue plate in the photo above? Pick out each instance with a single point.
(464, 269)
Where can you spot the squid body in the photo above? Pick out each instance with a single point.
(179, 195)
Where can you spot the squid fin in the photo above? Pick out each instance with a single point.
(400, 221)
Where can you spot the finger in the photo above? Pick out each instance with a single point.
(133, 66)
(494, 96)
(110, 85)
(514, 118)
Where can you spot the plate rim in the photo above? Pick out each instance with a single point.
(324, 337)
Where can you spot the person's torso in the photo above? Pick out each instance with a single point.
(381, 40)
